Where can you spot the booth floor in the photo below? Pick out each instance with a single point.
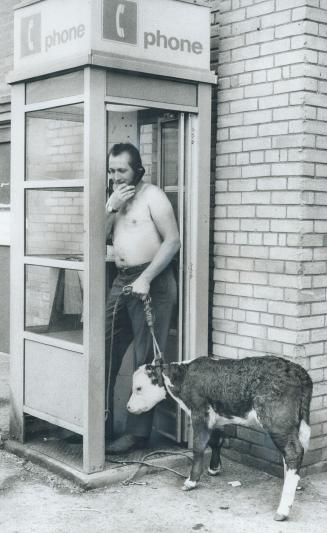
(66, 460)
(53, 450)
(71, 454)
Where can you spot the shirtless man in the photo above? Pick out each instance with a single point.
(142, 225)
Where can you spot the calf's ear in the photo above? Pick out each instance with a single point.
(149, 369)
(154, 373)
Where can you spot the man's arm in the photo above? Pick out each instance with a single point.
(118, 199)
(110, 220)
(164, 219)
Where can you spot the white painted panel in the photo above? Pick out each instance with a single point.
(4, 227)
(54, 381)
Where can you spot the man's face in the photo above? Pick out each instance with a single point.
(120, 170)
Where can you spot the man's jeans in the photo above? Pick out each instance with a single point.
(130, 324)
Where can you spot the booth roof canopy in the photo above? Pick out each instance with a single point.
(24, 3)
(196, 2)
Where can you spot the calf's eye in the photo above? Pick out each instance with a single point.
(138, 389)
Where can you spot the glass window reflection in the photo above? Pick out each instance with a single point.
(54, 222)
(54, 143)
(54, 302)
(169, 153)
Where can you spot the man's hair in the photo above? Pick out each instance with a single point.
(135, 160)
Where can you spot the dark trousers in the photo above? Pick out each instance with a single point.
(130, 324)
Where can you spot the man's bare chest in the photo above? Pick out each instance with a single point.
(134, 217)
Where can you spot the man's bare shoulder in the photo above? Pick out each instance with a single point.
(153, 193)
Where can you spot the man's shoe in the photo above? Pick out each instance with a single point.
(125, 444)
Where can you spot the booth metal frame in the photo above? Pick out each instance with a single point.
(165, 88)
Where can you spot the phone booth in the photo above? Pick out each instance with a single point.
(88, 74)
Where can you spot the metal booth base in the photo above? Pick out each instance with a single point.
(64, 458)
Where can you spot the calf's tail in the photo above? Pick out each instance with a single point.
(304, 429)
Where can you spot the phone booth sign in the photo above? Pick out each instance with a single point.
(50, 31)
(88, 74)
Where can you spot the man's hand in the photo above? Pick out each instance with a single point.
(140, 287)
(121, 195)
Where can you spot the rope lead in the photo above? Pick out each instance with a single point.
(127, 291)
(149, 319)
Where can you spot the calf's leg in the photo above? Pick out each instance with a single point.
(292, 454)
(201, 435)
(216, 441)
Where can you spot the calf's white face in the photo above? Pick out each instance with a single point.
(145, 393)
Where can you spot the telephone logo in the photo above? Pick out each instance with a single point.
(120, 21)
(31, 35)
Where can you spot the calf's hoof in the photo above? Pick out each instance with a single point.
(189, 485)
(280, 517)
(214, 471)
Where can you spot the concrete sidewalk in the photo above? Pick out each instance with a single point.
(32, 499)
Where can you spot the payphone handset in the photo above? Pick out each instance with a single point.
(119, 13)
(139, 173)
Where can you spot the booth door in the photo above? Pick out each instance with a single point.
(159, 135)
(54, 266)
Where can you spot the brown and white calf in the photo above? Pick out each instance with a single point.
(269, 391)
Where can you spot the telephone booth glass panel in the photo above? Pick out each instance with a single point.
(54, 302)
(54, 223)
(54, 143)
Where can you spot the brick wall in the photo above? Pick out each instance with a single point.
(314, 214)
(270, 215)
